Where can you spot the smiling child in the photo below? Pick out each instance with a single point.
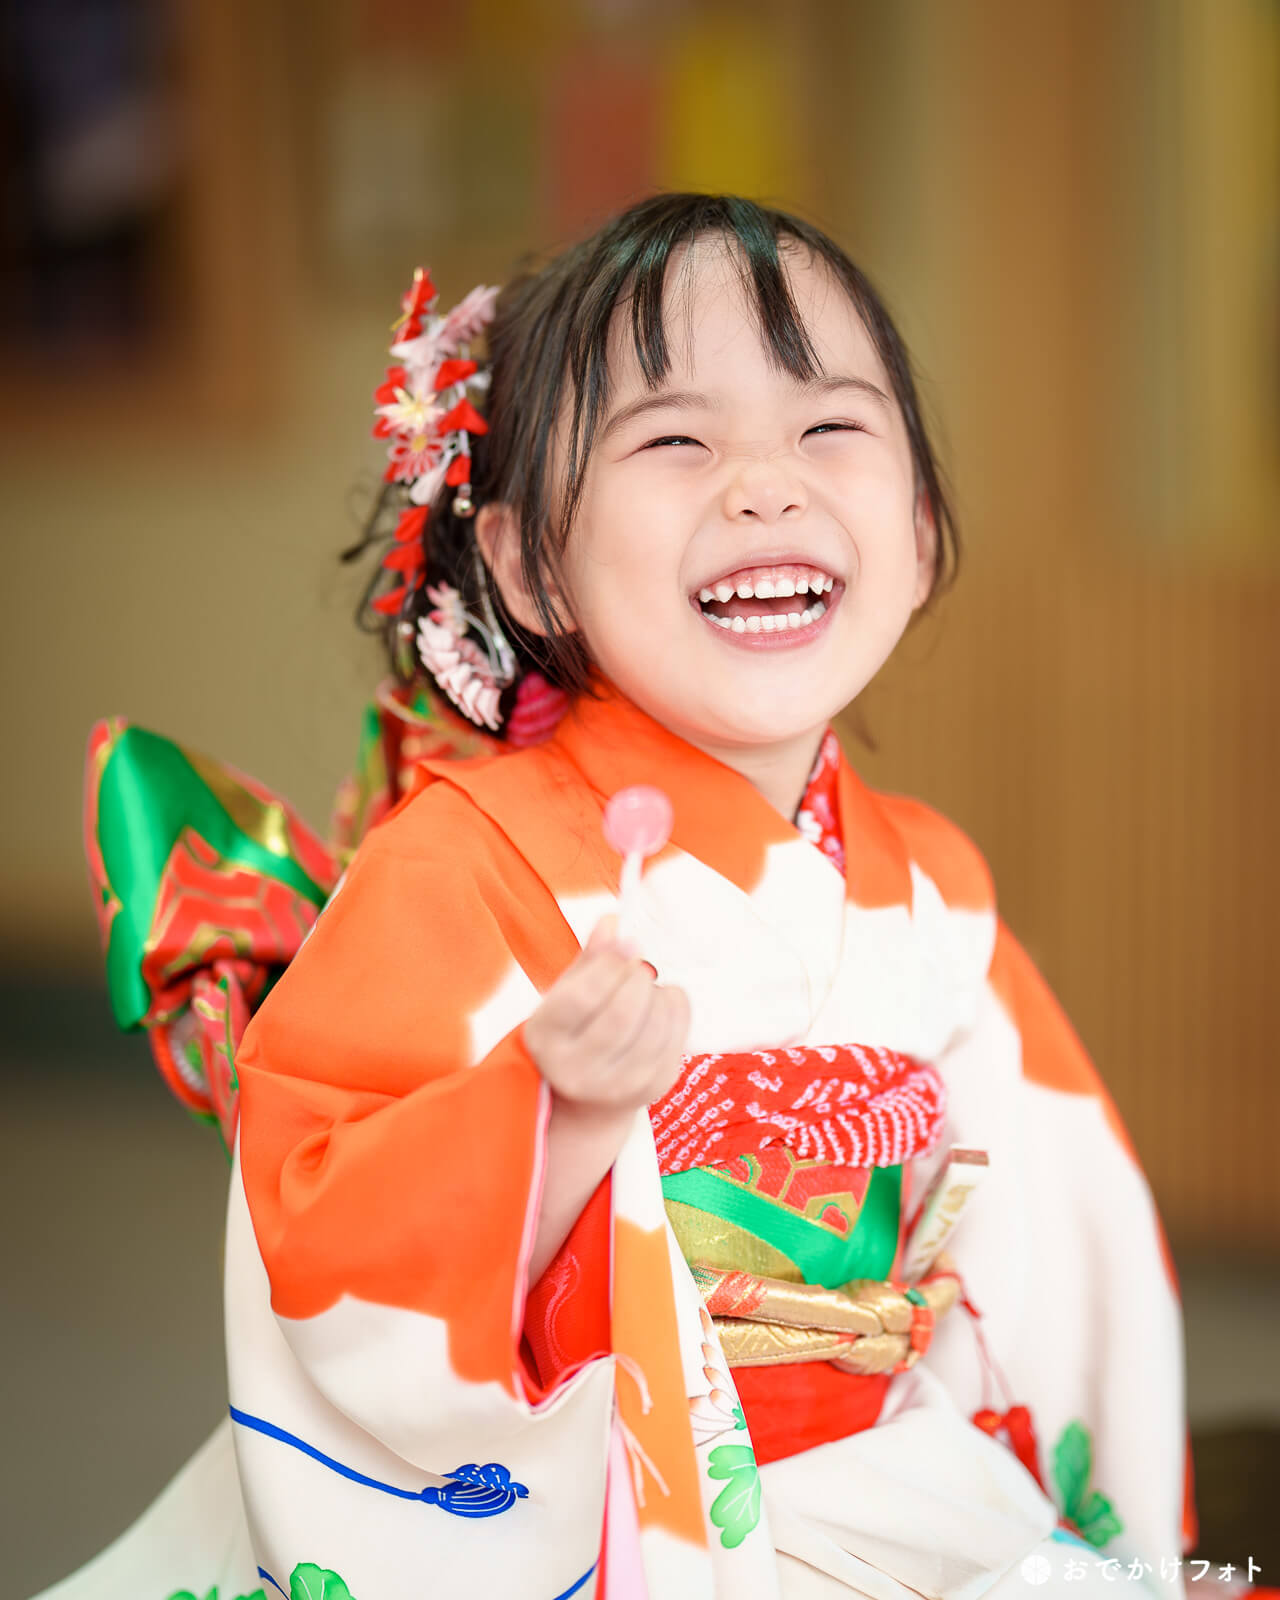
(562, 1264)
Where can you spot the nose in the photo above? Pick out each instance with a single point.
(763, 491)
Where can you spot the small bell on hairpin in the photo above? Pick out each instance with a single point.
(463, 505)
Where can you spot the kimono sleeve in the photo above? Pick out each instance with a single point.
(1063, 1252)
(393, 1131)
(1117, 1446)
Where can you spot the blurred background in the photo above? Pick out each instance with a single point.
(210, 210)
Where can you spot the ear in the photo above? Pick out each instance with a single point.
(497, 530)
(926, 533)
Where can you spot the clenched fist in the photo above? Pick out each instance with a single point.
(607, 1036)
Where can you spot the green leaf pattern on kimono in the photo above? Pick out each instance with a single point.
(1091, 1513)
(1097, 1521)
(736, 1509)
(187, 1594)
(309, 1582)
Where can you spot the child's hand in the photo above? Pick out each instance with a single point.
(607, 1036)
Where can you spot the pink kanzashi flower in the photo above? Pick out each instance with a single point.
(469, 318)
(454, 661)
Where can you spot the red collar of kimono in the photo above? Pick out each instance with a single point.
(721, 818)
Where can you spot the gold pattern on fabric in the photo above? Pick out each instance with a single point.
(195, 953)
(773, 1344)
(804, 1187)
(205, 935)
(864, 1326)
(796, 1305)
(103, 754)
(885, 1352)
(263, 821)
(711, 1240)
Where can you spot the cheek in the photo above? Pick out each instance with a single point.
(614, 580)
(886, 577)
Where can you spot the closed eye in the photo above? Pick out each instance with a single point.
(838, 427)
(684, 438)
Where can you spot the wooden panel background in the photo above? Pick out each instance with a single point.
(1095, 702)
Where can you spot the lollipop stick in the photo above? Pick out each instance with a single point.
(628, 889)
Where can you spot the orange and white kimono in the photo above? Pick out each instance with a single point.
(410, 1416)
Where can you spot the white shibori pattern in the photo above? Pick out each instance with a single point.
(866, 1119)
(1059, 1248)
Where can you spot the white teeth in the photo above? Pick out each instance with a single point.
(766, 588)
(770, 621)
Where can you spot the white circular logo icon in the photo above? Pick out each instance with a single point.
(1036, 1568)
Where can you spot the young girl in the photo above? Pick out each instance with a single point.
(571, 1259)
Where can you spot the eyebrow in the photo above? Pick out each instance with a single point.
(873, 391)
(659, 400)
(690, 400)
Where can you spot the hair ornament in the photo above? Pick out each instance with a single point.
(472, 680)
(425, 411)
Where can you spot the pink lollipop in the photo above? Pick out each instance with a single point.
(637, 823)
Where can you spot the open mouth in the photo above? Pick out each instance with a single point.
(786, 600)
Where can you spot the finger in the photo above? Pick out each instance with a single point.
(675, 1018)
(597, 986)
(614, 1032)
(581, 989)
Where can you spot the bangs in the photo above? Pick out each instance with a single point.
(752, 247)
(630, 269)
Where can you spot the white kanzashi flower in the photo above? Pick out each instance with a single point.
(415, 409)
(424, 488)
(421, 355)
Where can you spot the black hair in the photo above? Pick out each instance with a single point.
(552, 326)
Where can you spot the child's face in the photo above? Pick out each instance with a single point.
(734, 471)
(730, 470)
